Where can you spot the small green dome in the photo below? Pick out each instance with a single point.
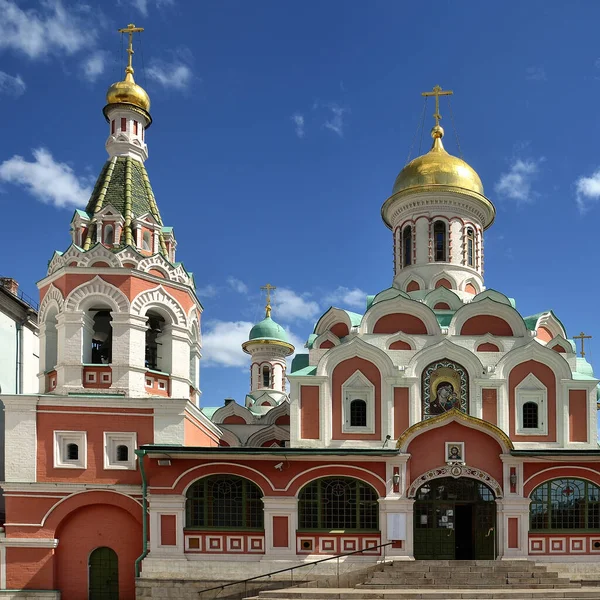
(267, 329)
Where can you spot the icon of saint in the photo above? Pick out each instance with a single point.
(445, 399)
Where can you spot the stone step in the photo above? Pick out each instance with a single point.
(388, 573)
(478, 586)
(433, 594)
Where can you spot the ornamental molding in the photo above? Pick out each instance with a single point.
(282, 410)
(99, 289)
(326, 336)
(53, 297)
(456, 471)
(98, 252)
(233, 409)
(400, 304)
(442, 294)
(492, 295)
(450, 416)
(450, 351)
(388, 295)
(551, 323)
(330, 317)
(533, 350)
(159, 298)
(270, 432)
(490, 307)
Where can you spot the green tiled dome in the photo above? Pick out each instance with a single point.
(267, 329)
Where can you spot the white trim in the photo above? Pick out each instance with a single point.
(112, 441)
(358, 387)
(62, 439)
(531, 389)
(29, 542)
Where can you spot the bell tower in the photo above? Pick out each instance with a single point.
(438, 213)
(118, 315)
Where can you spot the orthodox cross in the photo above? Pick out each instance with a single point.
(582, 337)
(268, 289)
(437, 92)
(130, 29)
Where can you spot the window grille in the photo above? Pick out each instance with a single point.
(358, 413)
(439, 241)
(530, 415)
(565, 504)
(470, 248)
(338, 503)
(407, 245)
(221, 502)
(72, 452)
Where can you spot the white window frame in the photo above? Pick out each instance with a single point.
(61, 441)
(358, 387)
(531, 389)
(114, 439)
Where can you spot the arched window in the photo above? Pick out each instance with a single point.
(439, 241)
(72, 452)
(109, 235)
(358, 413)
(122, 453)
(338, 503)
(147, 241)
(154, 350)
(470, 248)
(97, 348)
(266, 376)
(530, 415)
(221, 501)
(407, 246)
(565, 504)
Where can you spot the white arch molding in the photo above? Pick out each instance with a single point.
(455, 471)
(53, 297)
(97, 289)
(159, 298)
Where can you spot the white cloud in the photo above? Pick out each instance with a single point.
(222, 344)
(236, 285)
(516, 184)
(289, 306)
(142, 5)
(336, 122)
(94, 65)
(207, 291)
(47, 180)
(535, 74)
(174, 75)
(588, 190)
(12, 86)
(40, 32)
(353, 298)
(298, 120)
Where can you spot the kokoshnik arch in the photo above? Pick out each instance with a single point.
(440, 419)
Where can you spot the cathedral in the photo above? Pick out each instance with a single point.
(438, 424)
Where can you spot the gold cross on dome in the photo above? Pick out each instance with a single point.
(437, 92)
(268, 288)
(582, 337)
(130, 29)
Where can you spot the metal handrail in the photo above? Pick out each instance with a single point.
(292, 569)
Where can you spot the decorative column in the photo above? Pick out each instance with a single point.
(129, 353)
(281, 522)
(167, 520)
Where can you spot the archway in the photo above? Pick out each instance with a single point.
(103, 568)
(454, 518)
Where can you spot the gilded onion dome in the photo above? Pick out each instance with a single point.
(437, 167)
(128, 91)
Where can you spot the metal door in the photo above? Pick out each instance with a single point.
(103, 566)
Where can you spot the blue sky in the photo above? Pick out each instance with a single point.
(279, 128)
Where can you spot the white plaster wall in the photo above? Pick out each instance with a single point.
(20, 437)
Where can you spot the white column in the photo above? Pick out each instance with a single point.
(168, 505)
(20, 438)
(455, 231)
(177, 360)
(280, 507)
(510, 510)
(129, 353)
(421, 233)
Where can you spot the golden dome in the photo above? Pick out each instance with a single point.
(437, 167)
(128, 92)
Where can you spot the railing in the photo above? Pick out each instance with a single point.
(292, 569)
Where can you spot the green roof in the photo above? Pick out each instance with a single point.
(444, 319)
(124, 184)
(355, 318)
(267, 329)
(300, 361)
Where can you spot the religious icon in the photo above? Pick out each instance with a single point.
(445, 399)
(445, 388)
(455, 452)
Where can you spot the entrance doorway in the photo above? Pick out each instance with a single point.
(103, 568)
(455, 519)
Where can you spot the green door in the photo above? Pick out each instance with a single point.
(454, 518)
(103, 569)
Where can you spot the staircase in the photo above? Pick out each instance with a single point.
(447, 580)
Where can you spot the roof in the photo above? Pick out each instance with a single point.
(267, 329)
(300, 361)
(276, 451)
(124, 184)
